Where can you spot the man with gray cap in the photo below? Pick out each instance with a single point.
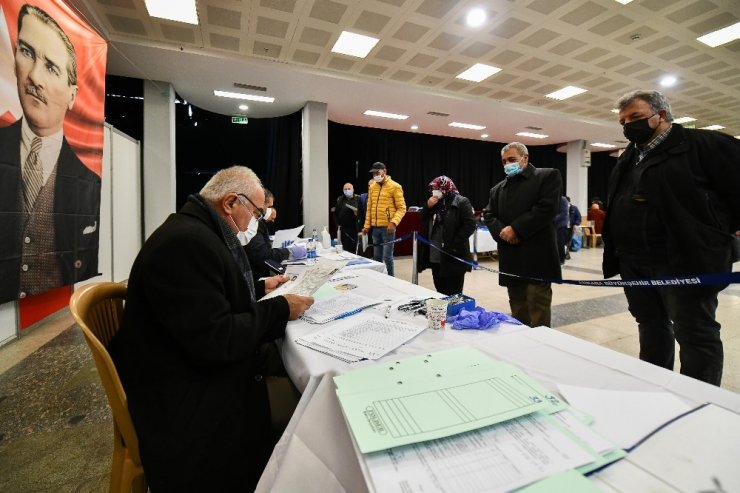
(385, 209)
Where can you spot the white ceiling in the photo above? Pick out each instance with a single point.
(540, 45)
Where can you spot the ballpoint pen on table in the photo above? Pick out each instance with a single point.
(388, 310)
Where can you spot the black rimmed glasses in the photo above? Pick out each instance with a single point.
(260, 213)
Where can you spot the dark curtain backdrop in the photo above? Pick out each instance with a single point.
(414, 159)
(271, 147)
(602, 165)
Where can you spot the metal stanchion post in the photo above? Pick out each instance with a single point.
(475, 244)
(414, 259)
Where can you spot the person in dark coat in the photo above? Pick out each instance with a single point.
(562, 223)
(674, 210)
(574, 218)
(347, 217)
(448, 221)
(187, 350)
(520, 211)
(260, 248)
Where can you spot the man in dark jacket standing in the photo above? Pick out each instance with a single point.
(347, 218)
(520, 212)
(674, 208)
(187, 351)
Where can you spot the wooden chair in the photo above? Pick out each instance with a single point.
(98, 309)
(589, 232)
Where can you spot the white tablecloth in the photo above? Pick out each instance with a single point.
(316, 453)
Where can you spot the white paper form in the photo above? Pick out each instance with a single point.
(337, 307)
(309, 280)
(284, 235)
(493, 459)
(696, 453)
(362, 336)
(622, 416)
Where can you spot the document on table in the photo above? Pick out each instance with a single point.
(493, 459)
(363, 336)
(697, 452)
(285, 235)
(309, 280)
(338, 307)
(625, 417)
(411, 412)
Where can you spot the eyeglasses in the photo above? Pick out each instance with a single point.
(259, 212)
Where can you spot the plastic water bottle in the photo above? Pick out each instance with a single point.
(325, 238)
(311, 248)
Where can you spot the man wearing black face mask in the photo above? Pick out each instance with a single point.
(674, 209)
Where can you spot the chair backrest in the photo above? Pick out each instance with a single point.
(98, 310)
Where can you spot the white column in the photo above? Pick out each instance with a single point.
(577, 170)
(159, 154)
(315, 154)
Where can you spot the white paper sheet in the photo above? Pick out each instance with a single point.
(337, 307)
(624, 417)
(308, 280)
(284, 235)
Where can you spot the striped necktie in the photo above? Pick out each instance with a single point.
(33, 175)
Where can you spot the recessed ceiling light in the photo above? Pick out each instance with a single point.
(614, 110)
(476, 17)
(414, 127)
(737, 136)
(565, 93)
(469, 126)
(483, 136)
(605, 146)
(173, 10)
(684, 119)
(383, 114)
(353, 44)
(532, 135)
(623, 2)
(478, 72)
(668, 81)
(712, 127)
(722, 36)
(243, 107)
(241, 95)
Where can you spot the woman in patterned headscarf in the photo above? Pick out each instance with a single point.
(448, 221)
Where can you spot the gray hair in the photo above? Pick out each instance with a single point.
(655, 99)
(229, 180)
(518, 146)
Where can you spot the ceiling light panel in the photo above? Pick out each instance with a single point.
(468, 126)
(684, 119)
(565, 93)
(241, 95)
(173, 10)
(603, 146)
(532, 135)
(722, 36)
(383, 114)
(476, 17)
(712, 127)
(478, 72)
(352, 44)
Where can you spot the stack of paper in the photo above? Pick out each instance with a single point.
(337, 307)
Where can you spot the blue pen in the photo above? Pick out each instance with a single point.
(348, 314)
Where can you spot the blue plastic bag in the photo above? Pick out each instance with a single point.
(575, 243)
(478, 318)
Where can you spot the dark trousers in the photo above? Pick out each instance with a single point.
(447, 284)
(685, 314)
(531, 304)
(349, 239)
(562, 242)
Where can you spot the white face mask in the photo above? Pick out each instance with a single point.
(378, 178)
(268, 213)
(245, 237)
(437, 193)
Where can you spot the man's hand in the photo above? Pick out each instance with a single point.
(271, 283)
(298, 304)
(364, 231)
(432, 201)
(391, 228)
(509, 235)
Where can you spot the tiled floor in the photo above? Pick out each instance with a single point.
(55, 425)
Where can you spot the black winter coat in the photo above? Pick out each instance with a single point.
(528, 203)
(692, 179)
(458, 225)
(187, 356)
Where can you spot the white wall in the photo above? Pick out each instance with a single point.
(315, 154)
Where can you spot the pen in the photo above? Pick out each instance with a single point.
(388, 311)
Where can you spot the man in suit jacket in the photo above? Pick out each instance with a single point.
(674, 210)
(520, 212)
(49, 200)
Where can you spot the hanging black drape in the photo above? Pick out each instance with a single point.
(602, 165)
(283, 169)
(414, 159)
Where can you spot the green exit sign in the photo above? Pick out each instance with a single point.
(242, 120)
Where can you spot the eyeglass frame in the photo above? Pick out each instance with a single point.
(259, 210)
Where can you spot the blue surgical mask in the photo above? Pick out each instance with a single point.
(349, 193)
(512, 169)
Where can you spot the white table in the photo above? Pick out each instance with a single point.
(368, 263)
(316, 453)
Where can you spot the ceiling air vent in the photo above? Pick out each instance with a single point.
(437, 113)
(533, 128)
(250, 87)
